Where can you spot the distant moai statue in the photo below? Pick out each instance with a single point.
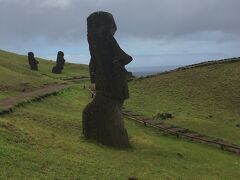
(32, 61)
(59, 64)
(102, 118)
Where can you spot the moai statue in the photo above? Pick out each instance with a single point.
(60, 63)
(102, 118)
(32, 61)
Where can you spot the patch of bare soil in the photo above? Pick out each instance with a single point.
(9, 103)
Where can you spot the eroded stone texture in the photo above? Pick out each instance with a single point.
(32, 61)
(59, 64)
(102, 118)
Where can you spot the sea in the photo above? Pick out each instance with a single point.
(149, 70)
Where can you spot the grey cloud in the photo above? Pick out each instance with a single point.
(56, 20)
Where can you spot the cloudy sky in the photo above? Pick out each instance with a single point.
(154, 32)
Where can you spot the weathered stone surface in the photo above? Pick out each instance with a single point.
(59, 64)
(103, 121)
(32, 61)
(102, 118)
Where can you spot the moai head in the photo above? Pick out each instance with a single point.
(32, 61)
(107, 58)
(30, 54)
(60, 54)
(101, 24)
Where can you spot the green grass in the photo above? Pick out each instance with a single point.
(15, 74)
(204, 99)
(43, 140)
(6, 94)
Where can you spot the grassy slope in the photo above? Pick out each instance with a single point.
(205, 99)
(15, 74)
(43, 140)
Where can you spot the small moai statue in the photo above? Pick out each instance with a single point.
(32, 61)
(102, 118)
(59, 64)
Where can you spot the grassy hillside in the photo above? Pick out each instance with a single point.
(43, 140)
(15, 75)
(204, 98)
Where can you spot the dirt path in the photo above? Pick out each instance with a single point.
(8, 104)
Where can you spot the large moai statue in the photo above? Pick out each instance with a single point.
(102, 118)
(59, 64)
(32, 61)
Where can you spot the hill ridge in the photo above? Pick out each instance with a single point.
(196, 65)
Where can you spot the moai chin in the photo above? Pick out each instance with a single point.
(59, 64)
(33, 63)
(102, 118)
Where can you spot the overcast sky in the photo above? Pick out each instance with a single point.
(154, 32)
